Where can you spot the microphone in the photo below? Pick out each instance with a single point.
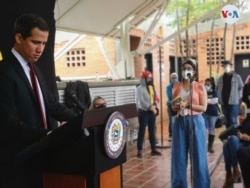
(189, 75)
(79, 104)
(76, 100)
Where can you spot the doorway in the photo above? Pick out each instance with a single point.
(242, 65)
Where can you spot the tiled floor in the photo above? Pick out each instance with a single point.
(154, 171)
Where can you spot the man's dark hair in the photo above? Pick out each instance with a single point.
(25, 23)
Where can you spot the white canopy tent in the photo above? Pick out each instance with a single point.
(114, 19)
(109, 18)
(102, 18)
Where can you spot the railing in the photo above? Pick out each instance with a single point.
(114, 93)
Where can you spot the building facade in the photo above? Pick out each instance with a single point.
(86, 59)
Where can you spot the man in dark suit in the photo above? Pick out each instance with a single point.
(21, 113)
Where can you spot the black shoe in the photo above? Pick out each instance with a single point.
(139, 154)
(155, 152)
(210, 149)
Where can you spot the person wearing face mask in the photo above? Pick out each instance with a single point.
(233, 156)
(171, 114)
(147, 111)
(230, 86)
(98, 102)
(211, 113)
(189, 119)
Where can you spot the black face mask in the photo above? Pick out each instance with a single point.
(149, 81)
(99, 106)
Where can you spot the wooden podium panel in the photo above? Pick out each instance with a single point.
(52, 180)
(110, 178)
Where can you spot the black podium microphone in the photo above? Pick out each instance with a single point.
(79, 104)
(76, 100)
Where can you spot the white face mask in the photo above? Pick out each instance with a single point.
(185, 74)
(227, 69)
(173, 80)
(207, 87)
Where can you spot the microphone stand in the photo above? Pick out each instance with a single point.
(162, 146)
(191, 133)
(82, 108)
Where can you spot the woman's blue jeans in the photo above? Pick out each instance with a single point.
(210, 123)
(231, 113)
(230, 148)
(189, 139)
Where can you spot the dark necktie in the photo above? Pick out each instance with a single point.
(36, 91)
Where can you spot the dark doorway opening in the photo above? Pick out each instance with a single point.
(242, 65)
(149, 62)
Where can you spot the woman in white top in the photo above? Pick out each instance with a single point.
(189, 131)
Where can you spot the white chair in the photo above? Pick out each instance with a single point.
(132, 129)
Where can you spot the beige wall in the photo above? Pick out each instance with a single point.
(240, 30)
(95, 61)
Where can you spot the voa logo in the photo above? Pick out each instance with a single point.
(230, 14)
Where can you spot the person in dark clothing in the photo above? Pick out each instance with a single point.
(243, 153)
(22, 107)
(240, 137)
(246, 95)
(230, 86)
(147, 111)
(211, 113)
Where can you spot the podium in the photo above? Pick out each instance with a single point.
(82, 161)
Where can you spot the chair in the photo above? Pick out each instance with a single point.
(132, 130)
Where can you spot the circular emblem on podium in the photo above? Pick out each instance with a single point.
(115, 134)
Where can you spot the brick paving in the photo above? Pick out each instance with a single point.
(154, 171)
